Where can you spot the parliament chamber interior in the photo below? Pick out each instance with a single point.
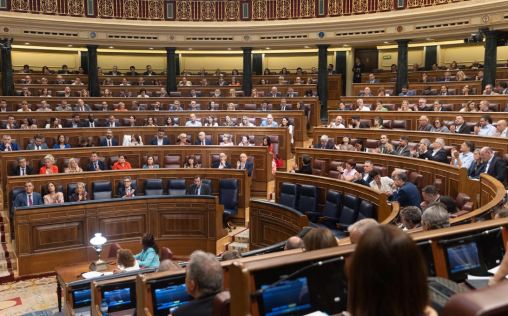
(314, 207)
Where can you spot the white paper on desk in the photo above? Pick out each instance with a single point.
(473, 277)
(107, 273)
(494, 271)
(317, 314)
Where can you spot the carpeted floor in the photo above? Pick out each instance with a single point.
(29, 297)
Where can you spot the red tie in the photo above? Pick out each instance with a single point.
(203, 143)
(30, 202)
(128, 192)
(8, 148)
(109, 143)
(81, 109)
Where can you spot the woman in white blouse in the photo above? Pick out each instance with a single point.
(245, 122)
(210, 121)
(53, 123)
(226, 140)
(379, 183)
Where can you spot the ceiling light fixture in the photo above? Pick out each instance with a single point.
(27, 43)
(111, 47)
(386, 42)
(70, 45)
(150, 48)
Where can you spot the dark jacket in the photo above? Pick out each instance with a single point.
(497, 168)
(104, 142)
(207, 142)
(464, 129)
(70, 124)
(95, 124)
(364, 182)
(17, 171)
(217, 164)
(122, 192)
(201, 307)
(328, 146)
(399, 151)
(165, 141)
(440, 156)
(305, 169)
(475, 174)
(407, 195)
(205, 190)
(75, 197)
(102, 166)
(249, 166)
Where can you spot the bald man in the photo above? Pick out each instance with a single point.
(502, 128)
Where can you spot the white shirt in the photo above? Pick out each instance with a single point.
(134, 268)
(146, 96)
(21, 110)
(504, 133)
(159, 141)
(196, 123)
(336, 126)
(488, 164)
(49, 126)
(364, 108)
(386, 184)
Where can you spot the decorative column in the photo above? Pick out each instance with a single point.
(247, 71)
(93, 76)
(401, 65)
(489, 71)
(322, 86)
(6, 63)
(171, 73)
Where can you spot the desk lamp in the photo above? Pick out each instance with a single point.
(97, 242)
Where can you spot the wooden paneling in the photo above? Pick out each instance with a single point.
(179, 227)
(374, 87)
(413, 77)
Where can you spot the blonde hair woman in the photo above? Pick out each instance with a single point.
(404, 107)
(232, 93)
(80, 194)
(182, 139)
(231, 107)
(460, 76)
(72, 166)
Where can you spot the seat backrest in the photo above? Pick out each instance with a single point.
(172, 161)
(308, 198)
(318, 167)
(438, 183)
(15, 192)
(333, 173)
(221, 304)
(333, 204)
(289, 195)
(350, 210)
(366, 210)
(400, 125)
(177, 187)
(228, 195)
(71, 188)
(154, 187)
(489, 301)
(102, 190)
(113, 249)
(417, 180)
(462, 198)
(208, 182)
(372, 143)
(166, 253)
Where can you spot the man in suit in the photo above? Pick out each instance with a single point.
(160, 139)
(291, 93)
(447, 77)
(264, 106)
(403, 148)
(411, 217)
(430, 194)
(244, 164)
(199, 188)
(27, 198)
(405, 91)
(64, 71)
(437, 154)
(105, 106)
(501, 129)
(330, 70)
(495, 166)
(193, 94)
(306, 168)
(75, 123)
(222, 163)
(364, 178)
(372, 79)
(427, 91)
(37, 144)
(202, 289)
(149, 71)
(406, 193)
(11, 123)
(423, 124)
(204, 83)
(503, 86)
(136, 107)
(3, 106)
(25, 92)
(385, 146)
(355, 122)
(91, 122)
(435, 217)
(111, 122)
(109, 141)
(221, 82)
(366, 92)
(163, 93)
(274, 93)
(132, 71)
(438, 106)
(114, 72)
(59, 80)
(489, 90)
(202, 141)
(81, 107)
(8, 144)
(460, 126)
(128, 189)
(22, 169)
(96, 164)
(324, 144)
(283, 106)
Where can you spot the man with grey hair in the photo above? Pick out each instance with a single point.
(502, 129)
(203, 281)
(423, 124)
(364, 178)
(360, 106)
(324, 144)
(484, 106)
(359, 228)
(269, 121)
(489, 90)
(294, 242)
(407, 193)
(435, 217)
(438, 153)
(166, 265)
(411, 217)
(495, 166)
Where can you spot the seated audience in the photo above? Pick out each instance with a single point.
(466, 90)
(182, 140)
(324, 144)
(358, 229)
(169, 122)
(150, 122)
(360, 106)
(231, 107)
(228, 121)
(121, 107)
(423, 124)
(245, 141)
(406, 91)
(356, 123)
(136, 107)
(11, 123)
(319, 238)
(73, 166)
(53, 196)
(375, 286)
(82, 106)
(122, 163)
(477, 167)
(203, 281)
(243, 163)
(435, 217)
(494, 165)
(91, 122)
(22, 169)
(63, 107)
(430, 194)
(385, 147)
(294, 242)
(306, 167)
(245, 122)
(437, 154)
(96, 164)
(348, 174)
(84, 142)
(150, 163)
(486, 128)
(125, 261)
(364, 177)
(80, 194)
(380, 183)
(337, 123)
(48, 167)
(405, 107)
(199, 188)
(160, 139)
(8, 144)
(231, 255)
(411, 217)
(227, 140)
(501, 129)
(345, 144)
(191, 162)
(167, 265)
(75, 123)
(366, 93)
(27, 198)
(210, 121)
(149, 256)
(193, 121)
(269, 122)
(407, 194)
(439, 126)
(489, 90)
(460, 126)
(54, 122)
(222, 163)
(378, 123)
(379, 106)
(465, 158)
(484, 106)
(132, 140)
(129, 189)
(61, 142)
(109, 141)
(37, 144)
(449, 203)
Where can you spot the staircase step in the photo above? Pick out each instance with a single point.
(242, 237)
(241, 247)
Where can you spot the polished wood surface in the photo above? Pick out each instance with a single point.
(413, 77)
(60, 235)
(382, 210)
(273, 223)
(136, 156)
(457, 85)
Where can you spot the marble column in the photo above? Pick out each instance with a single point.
(93, 76)
(247, 71)
(401, 65)
(171, 73)
(6, 64)
(490, 61)
(322, 86)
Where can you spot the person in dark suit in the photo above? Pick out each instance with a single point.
(424, 125)
(274, 93)
(22, 169)
(37, 144)
(494, 166)
(109, 141)
(358, 69)
(160, 139)
(222, 163)
(193, 93)
(306, 168)
(447, 77)
(199, 188)
(330, 70)
(364, 178)
(91, 122)
(3, 106)
(202, 141)
(129, 189)
(201, 264)
(355, 122)
(27, 198)
(132, 71)
(64, 71)
(244, 164)
(407, 193)
(149, 71)
(403, 148)
(460, 126)
(477, 167)
(372, 79)
(427, 91)
(324, 144)
(437, 153)
(79, 194)
(11, 123)
(75, 121)
(8, 144)
(96, 164)
(114, 72)
(111, 122)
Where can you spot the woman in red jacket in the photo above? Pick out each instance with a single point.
(48, 167)
(121, 163)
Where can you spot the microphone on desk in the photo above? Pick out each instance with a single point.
(297, 272)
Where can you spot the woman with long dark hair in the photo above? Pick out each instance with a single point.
(149, 256)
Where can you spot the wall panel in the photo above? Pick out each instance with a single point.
(225, 62)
